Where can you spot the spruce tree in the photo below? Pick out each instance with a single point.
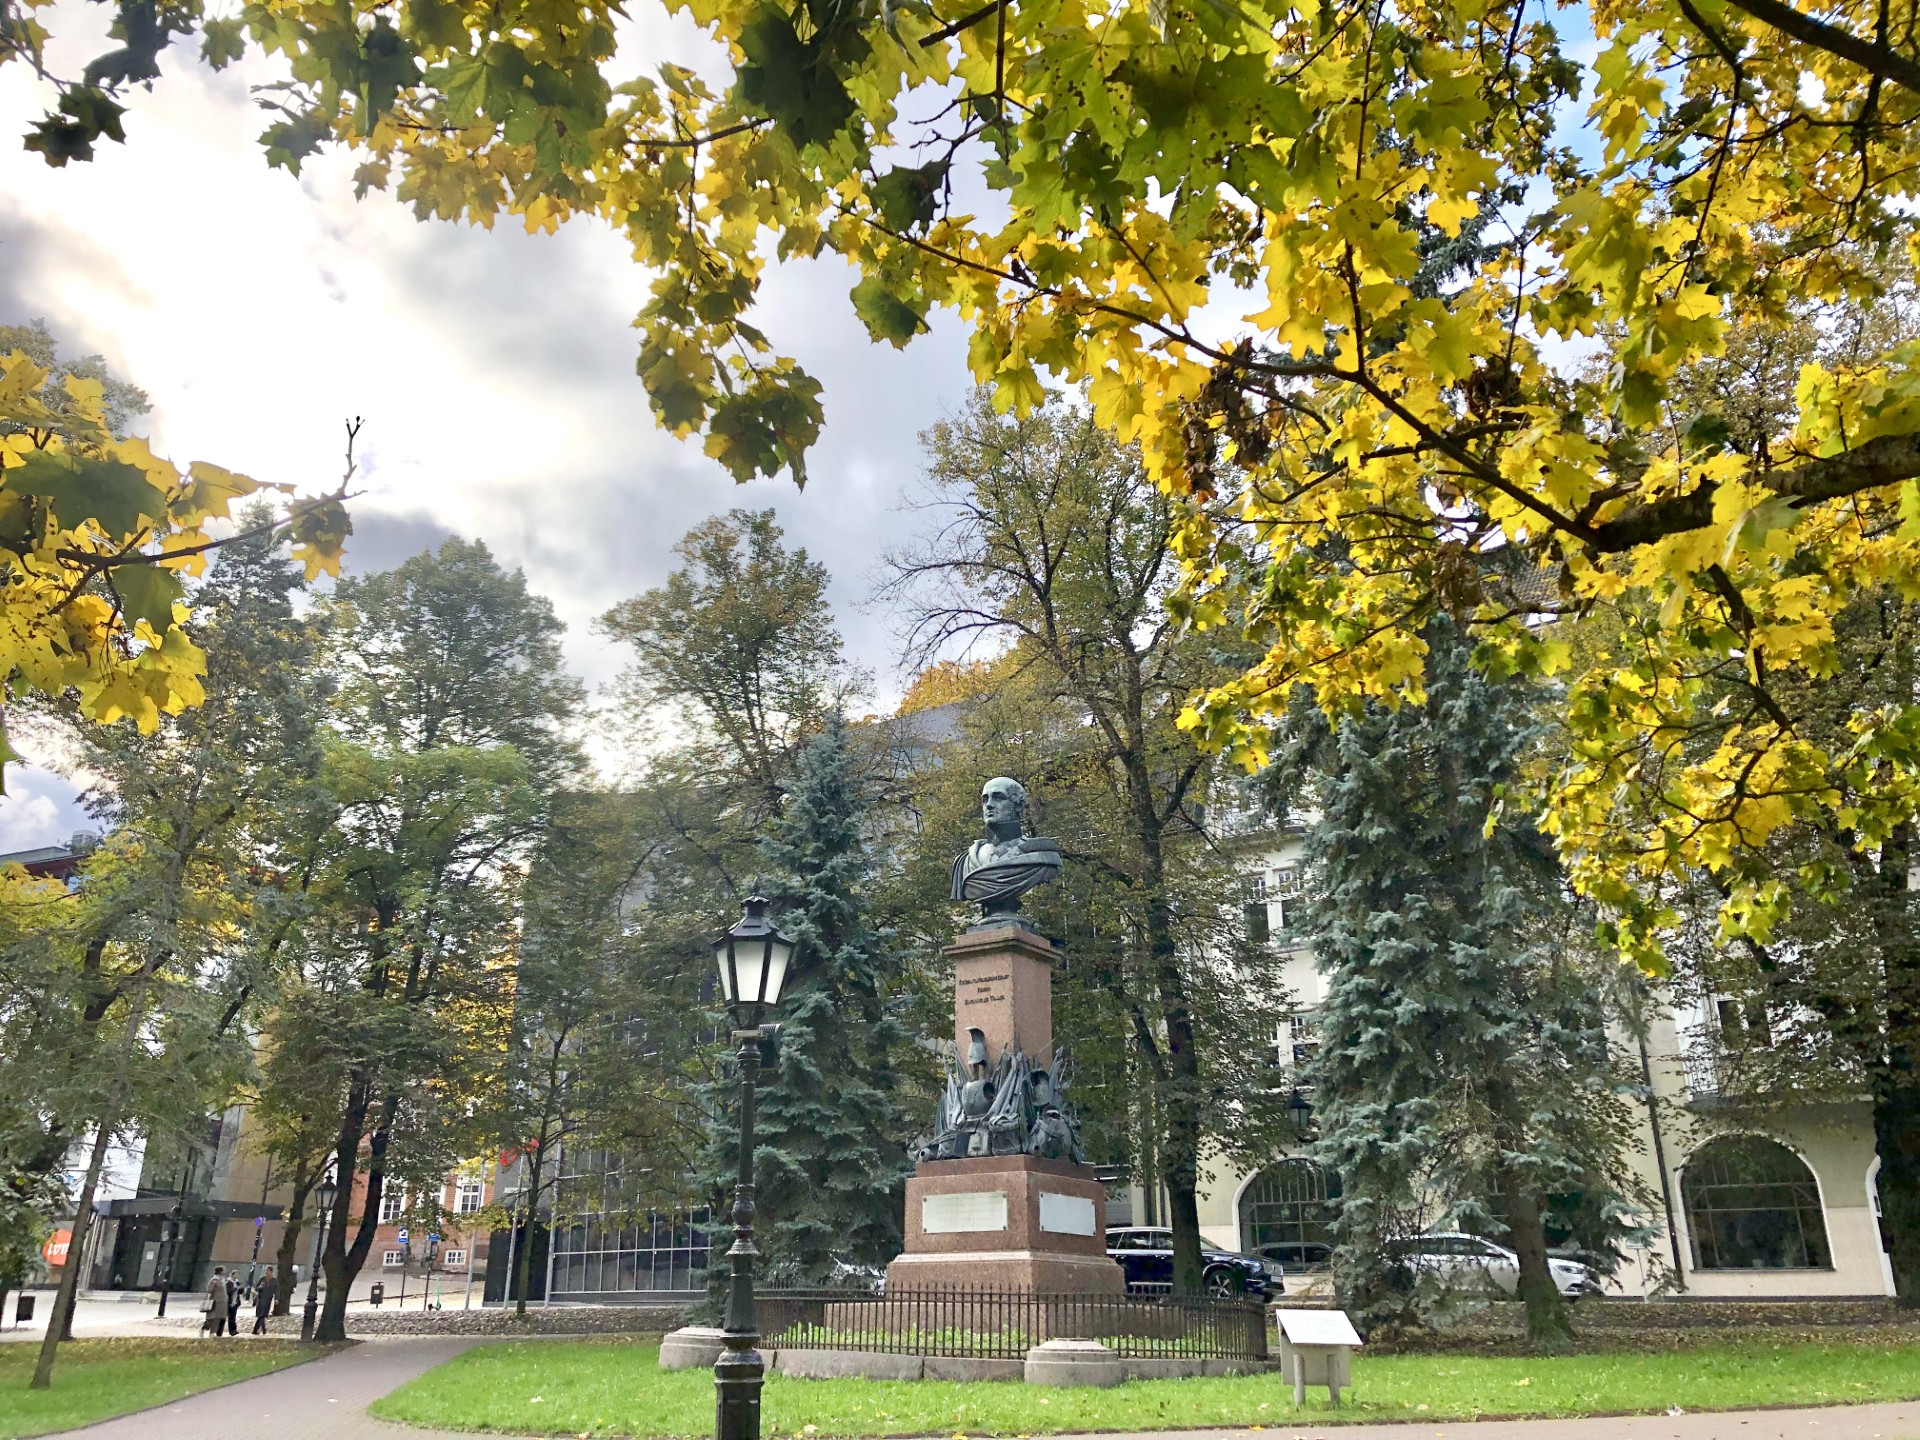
(829, 1156)
(1463, 1052)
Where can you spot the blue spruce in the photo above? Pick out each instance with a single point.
(829, 1159)
(1463, 1052)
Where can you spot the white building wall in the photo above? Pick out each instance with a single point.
(1835, 1142)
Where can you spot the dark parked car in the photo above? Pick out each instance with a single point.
(1299, 1257)
(1145, 1253)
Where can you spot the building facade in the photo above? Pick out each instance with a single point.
(1750, 1202)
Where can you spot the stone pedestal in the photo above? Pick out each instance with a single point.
(1003, 987)
(1073, 1362)
(1006, 1222)
(692, 1347)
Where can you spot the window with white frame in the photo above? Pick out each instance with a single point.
(1303, 1032)
(393, 1204)
(466, 1195)
(452, 1259)
(392, 1259)
(1253, 905)
(1288, 890)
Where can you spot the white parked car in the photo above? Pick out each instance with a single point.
(1459, 1259)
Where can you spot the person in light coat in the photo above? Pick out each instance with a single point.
(216, 1307)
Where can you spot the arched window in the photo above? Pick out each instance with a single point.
(1284, 1213)
(1752, 1204)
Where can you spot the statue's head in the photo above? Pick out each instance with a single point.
(1003, 805)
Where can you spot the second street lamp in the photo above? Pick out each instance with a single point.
(325, 1195)
(754, 959)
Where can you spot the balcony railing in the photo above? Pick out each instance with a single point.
(1714, 1072)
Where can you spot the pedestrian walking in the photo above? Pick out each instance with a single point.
(263, 1294)
(233, 1303)
(214, 1307)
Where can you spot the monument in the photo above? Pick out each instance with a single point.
(1002, 1197)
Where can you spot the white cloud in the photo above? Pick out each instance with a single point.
(494, 369)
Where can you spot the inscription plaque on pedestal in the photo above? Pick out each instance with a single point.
(968, 1212)
(1067, 1214)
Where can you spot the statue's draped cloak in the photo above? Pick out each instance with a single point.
(988, 871)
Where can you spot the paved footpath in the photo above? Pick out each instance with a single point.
(327, 1400)
(1839, 1422)
(320, 1400)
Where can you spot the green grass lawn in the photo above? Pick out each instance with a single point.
(98, 1379)
(616, 1386)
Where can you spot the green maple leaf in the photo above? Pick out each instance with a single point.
(116, 496)
(146, 593)
(886, 316)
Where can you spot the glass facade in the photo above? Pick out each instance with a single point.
(601, 1255)
(608, 1244)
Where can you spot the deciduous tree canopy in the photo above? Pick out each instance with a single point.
(1317, 259)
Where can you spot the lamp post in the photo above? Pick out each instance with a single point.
(1300, 1111)
(325, 1194)
(753, 958)
(169, 1247)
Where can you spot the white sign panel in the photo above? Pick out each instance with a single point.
(1066, 1214)
(968, 1211)
(1317, 1327)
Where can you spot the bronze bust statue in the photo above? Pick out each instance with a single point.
(998, 870)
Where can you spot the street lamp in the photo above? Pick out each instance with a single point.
(169, 1247)
(753, 958)
(1300, 1110)
(325, 1194)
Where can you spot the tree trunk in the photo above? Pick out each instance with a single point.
(1180, 1157)
(535, 1163)
(338, 1259)
(1896, 1108)
(1180, 1109)
(1895, 1080)
(288, 1255)
(60, 1323)
(1549, 1324)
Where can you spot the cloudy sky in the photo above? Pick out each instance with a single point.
(494, 369)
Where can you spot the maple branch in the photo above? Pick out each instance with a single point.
(101, 561)
(696, 141)
(1085, 302)
(1881, 60)
(1884, 460)
(1719, 43)
(965, 22)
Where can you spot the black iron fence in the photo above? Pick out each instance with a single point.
(1004, 1325)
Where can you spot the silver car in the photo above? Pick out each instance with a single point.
(1455, 1258)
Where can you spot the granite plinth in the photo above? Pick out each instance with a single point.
(1009, 1223)
(1003, 987)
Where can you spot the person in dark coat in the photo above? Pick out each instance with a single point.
(263, 1294)
(233, 1303)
